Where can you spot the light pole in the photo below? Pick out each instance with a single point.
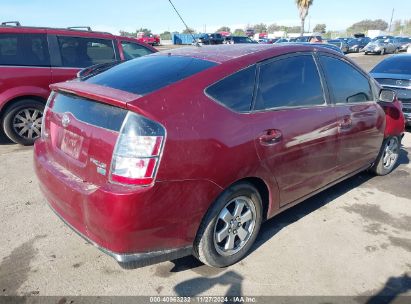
(392, 15)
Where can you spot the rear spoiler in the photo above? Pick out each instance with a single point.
(96, 92)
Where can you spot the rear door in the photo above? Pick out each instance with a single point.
(71, 54)
(297, 131)
(360, 118)
(24, 62)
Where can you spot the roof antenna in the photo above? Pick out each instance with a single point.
(188, 30)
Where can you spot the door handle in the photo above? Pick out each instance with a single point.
(270, 137)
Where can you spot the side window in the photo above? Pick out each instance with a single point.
(83, 52)
(235, 91)
(347, 85)
(134, 50)
(289, 82)
(24, 50)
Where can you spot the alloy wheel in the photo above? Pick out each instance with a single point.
(234, 226)
(27, 123)
(390, 155)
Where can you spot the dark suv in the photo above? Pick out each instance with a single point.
(33, 58)
(215, 38)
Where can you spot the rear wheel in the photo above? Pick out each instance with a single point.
(365, 53)
(388, 157)
(230, 227)
(22, 121)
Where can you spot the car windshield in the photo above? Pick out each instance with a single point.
(394, 65)
(150, 73)
(354, 41)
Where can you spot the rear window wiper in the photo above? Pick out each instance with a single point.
(95, 69)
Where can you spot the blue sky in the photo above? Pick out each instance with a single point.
(157, 15)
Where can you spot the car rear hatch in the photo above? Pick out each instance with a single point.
(81, 126)
(400, 83)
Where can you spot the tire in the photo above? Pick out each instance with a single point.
(396, 51)
(382, 52)
(388, 156)
(365, 53)
(207, 248)
(22, 121)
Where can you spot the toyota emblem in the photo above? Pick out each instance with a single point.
(65, 120)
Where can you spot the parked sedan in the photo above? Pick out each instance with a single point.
(238, 39)
(381, 46)
(340, 43)
(356, 45)
(403, 43)
(395, 73)
(189, 151)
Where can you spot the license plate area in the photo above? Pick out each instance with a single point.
(71, 144)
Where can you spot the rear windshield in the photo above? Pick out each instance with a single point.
(150, 73)
(395, 65)
(91, 112)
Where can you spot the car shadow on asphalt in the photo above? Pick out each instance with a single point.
(4, 140)
(393, 288)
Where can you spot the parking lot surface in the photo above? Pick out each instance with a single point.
(352, 239)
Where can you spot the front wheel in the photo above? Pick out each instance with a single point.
(230, 226)
(388, 157)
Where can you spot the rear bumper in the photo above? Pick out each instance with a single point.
(138, 259)
(146, 225)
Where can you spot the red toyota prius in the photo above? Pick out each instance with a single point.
(189, 151)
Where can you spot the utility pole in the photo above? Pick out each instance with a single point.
(309, 24)
(392, 16)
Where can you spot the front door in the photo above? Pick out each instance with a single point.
(360, 118)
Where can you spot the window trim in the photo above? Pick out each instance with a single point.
(26, 36)
(331, 95)
(130, 42)
(221, 79)
(282, 57)
(59, 61)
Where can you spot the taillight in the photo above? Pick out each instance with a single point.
(137, 152)
(44, 128)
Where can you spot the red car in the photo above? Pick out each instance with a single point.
(189, 151)
(148, 38)
(33, 58)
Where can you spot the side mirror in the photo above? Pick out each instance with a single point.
(387, 95)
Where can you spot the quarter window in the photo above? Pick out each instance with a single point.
(83, 52)
(134, 50)
(347, 85)
(24, 50)
(289, 82)
(235, 91)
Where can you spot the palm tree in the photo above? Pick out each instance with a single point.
(303, 6)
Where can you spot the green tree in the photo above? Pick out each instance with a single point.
(224, 29)
(128, 34)
(273, 28)
(144, 30)
(303, 7)
(239, 32)
(320, 28)
(367, 24)
(165, 35)
(189, 31)
(260, 28)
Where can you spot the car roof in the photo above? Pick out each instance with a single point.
(226, 52)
